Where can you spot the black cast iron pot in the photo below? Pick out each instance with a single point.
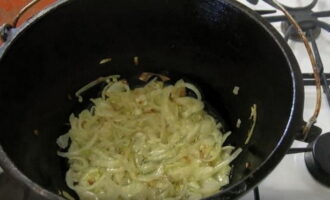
(216, 44)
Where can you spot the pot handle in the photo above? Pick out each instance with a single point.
(307, 127)
(5, 28)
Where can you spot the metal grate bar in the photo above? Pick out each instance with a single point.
(256, 193)
(324, 79)
(322, 14)
(299, 150)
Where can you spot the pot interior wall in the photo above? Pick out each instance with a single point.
(210, 43)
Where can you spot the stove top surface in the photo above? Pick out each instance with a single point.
(291, 179)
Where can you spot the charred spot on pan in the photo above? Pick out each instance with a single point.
(91, 181)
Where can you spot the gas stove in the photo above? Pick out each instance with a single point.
(291, 179)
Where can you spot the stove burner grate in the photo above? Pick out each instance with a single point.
(317, 155)
(312, 26)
